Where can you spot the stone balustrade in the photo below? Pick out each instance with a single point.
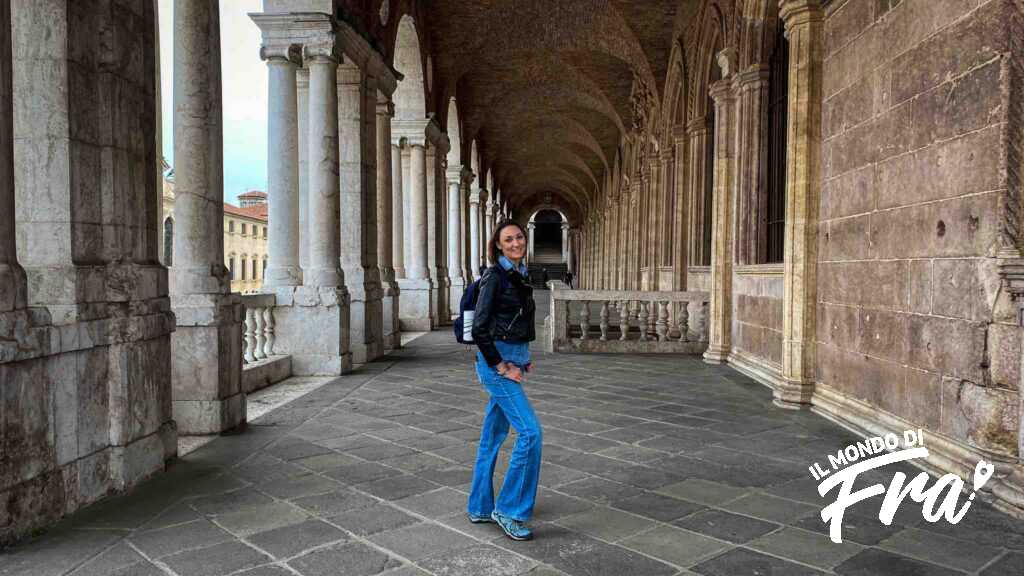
(260, 366)
(627, 321)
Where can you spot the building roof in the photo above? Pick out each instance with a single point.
(257, 212)
(253, 194)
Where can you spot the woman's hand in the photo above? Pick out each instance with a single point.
(510, 371)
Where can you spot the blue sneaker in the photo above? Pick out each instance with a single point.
(514, 529)
(478, 519)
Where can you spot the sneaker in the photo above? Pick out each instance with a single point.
(514, 529)
(478, 519)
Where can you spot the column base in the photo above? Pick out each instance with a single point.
(1009, 492)
(456, 287)
(793, 394)
(196, 417)
(206, 363)
(312, 326)
(391, 304)
(367, 325)
(442, 311)
(716, 354)
(416, 310)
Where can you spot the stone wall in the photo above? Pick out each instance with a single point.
(85, 391)
(910, 315)
(757, 317)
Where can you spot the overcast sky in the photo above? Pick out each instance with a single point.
(245, 94)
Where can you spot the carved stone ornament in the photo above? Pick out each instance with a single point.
(641, 100)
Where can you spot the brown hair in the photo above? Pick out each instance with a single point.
(492, 247)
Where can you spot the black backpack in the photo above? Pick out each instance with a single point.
(463, 325)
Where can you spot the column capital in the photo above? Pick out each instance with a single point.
(453, 173)
(467, 176)
(385, 107)
(530, 225)
(697, 126)
(474, 197)
(722, 91)
(278, 51)
(798, 12)
(321, 51)
(755, 74)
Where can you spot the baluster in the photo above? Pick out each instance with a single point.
(250, 335)
(584, 320)
(652, 318)
(642, 315)
(268, 330)
(604, 321)
(261, 338)
(623, 319)
(662, 326)
(684, 322)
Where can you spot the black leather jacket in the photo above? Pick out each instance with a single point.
(504, 311)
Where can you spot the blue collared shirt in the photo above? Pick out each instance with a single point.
(507, 265)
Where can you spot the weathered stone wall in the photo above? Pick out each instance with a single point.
(85, 404)
(757, 317)
(910, 316)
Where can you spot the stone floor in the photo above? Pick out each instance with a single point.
(652, 466)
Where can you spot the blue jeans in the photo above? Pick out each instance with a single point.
(508, 405)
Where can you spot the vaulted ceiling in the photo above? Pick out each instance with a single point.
(544, 86)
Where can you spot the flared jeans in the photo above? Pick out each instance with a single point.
(508, 406)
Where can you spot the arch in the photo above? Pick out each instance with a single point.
(411, 96)
(714, 36)
(549, 208)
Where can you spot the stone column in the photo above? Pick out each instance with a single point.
(405, 152)
(385, 224)
(804, 29)
(13, 294)
(466, 242)
(398, 210)
(720, 310)
(437, 256)
(565, 243)
(417, 265)
(357, 121)
(206, 348)
(323, 170)
(282, 166)
(474, 232)
(302, 97)
(417, 308)
(455, 177)
(530, 227)
(697, 131)
(488, 224)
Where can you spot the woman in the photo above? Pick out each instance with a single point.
(502, 329)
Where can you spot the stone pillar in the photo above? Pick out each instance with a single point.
(385, 224)
(804, 29)
(357, 121)
(720, 310)
(405, 152)
(206, 348)
(488, 224)
(282, 166)
(565, 243)
(697, 131)
(467, 268)
(302, 97)
(530, 227)
(322, 300)
(457, 281)
(398, 212)
(13, 294)
(417, 292)
(474, 232)
(437, 256)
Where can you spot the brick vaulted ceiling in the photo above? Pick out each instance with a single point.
(544, 85)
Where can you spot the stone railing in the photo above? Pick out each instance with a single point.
(260, 366)
(627, 321)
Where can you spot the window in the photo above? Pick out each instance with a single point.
(243, 228)
(243, 267)
(709, 185)
(264, 267)
(231, 268)
(254, 277)
(231, 226)
(778, 108)
(264, 232)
